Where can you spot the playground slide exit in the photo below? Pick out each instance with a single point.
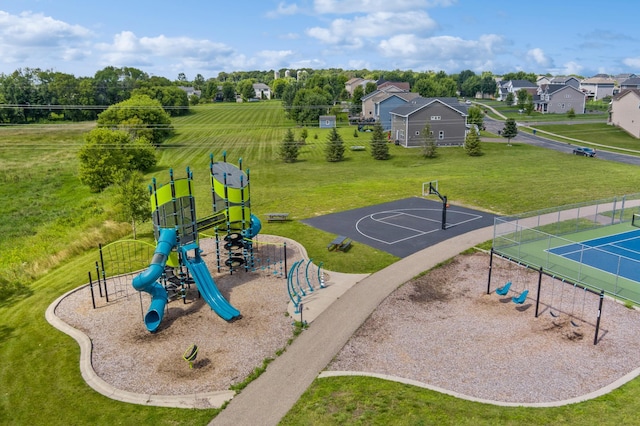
(147, 280)
(208, 289)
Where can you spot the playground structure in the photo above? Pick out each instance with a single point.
(176, 259)
(176, 227)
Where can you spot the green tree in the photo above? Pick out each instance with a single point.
(429, 145)
(308, 105)
(509, 99)
(246, 90)
(472, 144)
(289, 148)
(335, 147)
(356, 100)
(141, 116)
(108, 153)
(571, 113)
(102, 157)
(523, 96)
(304, 134)
(475, 116)
(132, 198)
(379, 146)
(529, 106)
(510, 130)
(228, 91)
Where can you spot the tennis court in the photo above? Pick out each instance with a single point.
(616, 254)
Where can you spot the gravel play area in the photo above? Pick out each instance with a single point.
(441, 329)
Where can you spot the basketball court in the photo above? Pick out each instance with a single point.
(402, 227)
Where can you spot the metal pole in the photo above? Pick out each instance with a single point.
(284, 253)
(93, 299)
(444, 212)
(490, 268)
(539, 286)
(595, 337)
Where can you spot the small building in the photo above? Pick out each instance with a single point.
(625, 111)
(262, 91)
(327, 121)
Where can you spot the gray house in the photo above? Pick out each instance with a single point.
(327, 121)
(447, 118)
(559, 99)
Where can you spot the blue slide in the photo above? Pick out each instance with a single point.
(210, 293)
(147, 280)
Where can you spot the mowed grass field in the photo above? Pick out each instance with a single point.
(51, 226)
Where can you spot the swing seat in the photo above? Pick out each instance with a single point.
(504, 289)
(520, 299)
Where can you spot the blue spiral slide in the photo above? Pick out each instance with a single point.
(147, 281)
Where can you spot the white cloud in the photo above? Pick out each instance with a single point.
(368, 6)
(571, 68)
(130, 50)
(354, 32)
(273, 59)
(442, 53)
(538, 57)
(284, 10)
(34, 37)
(632, 62)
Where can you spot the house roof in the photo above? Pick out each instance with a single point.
(597, 80)
(626, 92)
(553, 88)
(632, 81)
(522, 84)
(420, 102)
(562, 79)
(260, 86)
(401, 85)
(354, 80)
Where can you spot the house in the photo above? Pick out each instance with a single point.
(513, 86)
(327, 121)
(621, 78)
(376, 105)
(566, 80)
(630, 83)
(352, 83)
(190, 91)
(625, 111)
(598, 87)
(559, 99)
(262, 91)
(447, 118)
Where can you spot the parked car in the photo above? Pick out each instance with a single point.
(584, 151)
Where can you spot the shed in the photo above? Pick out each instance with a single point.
(327, 121)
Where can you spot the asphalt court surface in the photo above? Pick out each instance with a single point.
(402, 227)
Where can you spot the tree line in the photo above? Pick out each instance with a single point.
(32, 95)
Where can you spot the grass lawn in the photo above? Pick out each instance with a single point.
(52, 225)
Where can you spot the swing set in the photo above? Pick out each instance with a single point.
(554, 311)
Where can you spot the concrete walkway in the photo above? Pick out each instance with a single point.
(266, 400)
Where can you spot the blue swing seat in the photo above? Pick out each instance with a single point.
(520, 299)
(504, 289)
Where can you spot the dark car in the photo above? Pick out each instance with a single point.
(584, 151)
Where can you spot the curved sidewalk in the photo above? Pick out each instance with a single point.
(266, 400)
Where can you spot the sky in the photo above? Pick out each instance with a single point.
(207, 37)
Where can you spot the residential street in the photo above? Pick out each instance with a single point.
(493, 125)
